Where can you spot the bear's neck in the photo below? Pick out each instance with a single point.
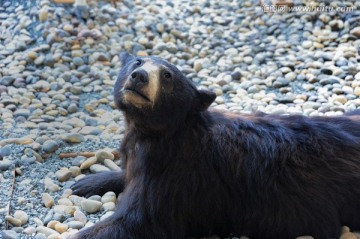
(153, 153)
(163, 129)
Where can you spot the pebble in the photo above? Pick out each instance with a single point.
(340, 99)
(13, 221)
(108, 197)
(106, 215)
(98, 168)
(61, 228)
(357, 91)
(90, 130)
(111, 165)
(48, 200)
(74, 138)
(50, 146)
(22, 216)
(5, 164)
(43, 14)
(348, 235)
(63, 174)
(65, 201)
(80, 216)
(101, 155)
(109, 206)
(9, 234)
(75, 171)
(290, 76)
(22, 112)
(307, 44)
(64, 210)
(88, 163)
(90, 206)
(198, 65)
(31, 153)
(46, 231)
(356, 32)
(75, 225)
(30, 230)
(50, 185)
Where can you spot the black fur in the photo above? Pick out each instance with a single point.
(191, 172)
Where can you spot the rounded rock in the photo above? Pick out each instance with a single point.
(46, 231)
(104, 154)
(13, 221)
(111, 165)
(75, 225)
(74, 138)
(88, 163)
(48, 200)
(307, 44)
(90, 206)
(22, 216)
(108, 197)
(98, 168)
(109, 206)
(61, 227)
(348, 235)
(63, 174)
(80, 216)
(9, 234)
(50, 146)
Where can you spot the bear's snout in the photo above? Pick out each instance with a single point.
(139, 76)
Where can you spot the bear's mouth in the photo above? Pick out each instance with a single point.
(135, 92)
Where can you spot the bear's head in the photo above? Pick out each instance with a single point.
(155, 95)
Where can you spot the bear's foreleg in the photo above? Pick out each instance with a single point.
(99, 184)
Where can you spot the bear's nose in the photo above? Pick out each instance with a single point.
(138, 76)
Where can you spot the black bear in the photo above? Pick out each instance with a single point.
(193, 172)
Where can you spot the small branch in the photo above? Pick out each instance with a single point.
(11, 195)
(85, 154)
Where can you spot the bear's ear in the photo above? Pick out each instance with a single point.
(204, 99)
(125, 58)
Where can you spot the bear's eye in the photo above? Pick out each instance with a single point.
(167, 75)
(138, 62)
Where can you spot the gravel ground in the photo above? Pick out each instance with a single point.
(58, 64)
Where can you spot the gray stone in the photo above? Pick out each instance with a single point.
(3, 89)
(326, 71)
(5, 151)
(78, 160)
(5, 164)
(281, 82)
(72, 108)
(74, 138)
(75, 224)
(236, 75)
(98, 168)
(84, 69)
(22, 112)
(6, 80)
(78, 61)
(50, 146)
(27, 160)
(9, 234)
(90, 130)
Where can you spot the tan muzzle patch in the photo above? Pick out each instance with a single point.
(150, 90)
